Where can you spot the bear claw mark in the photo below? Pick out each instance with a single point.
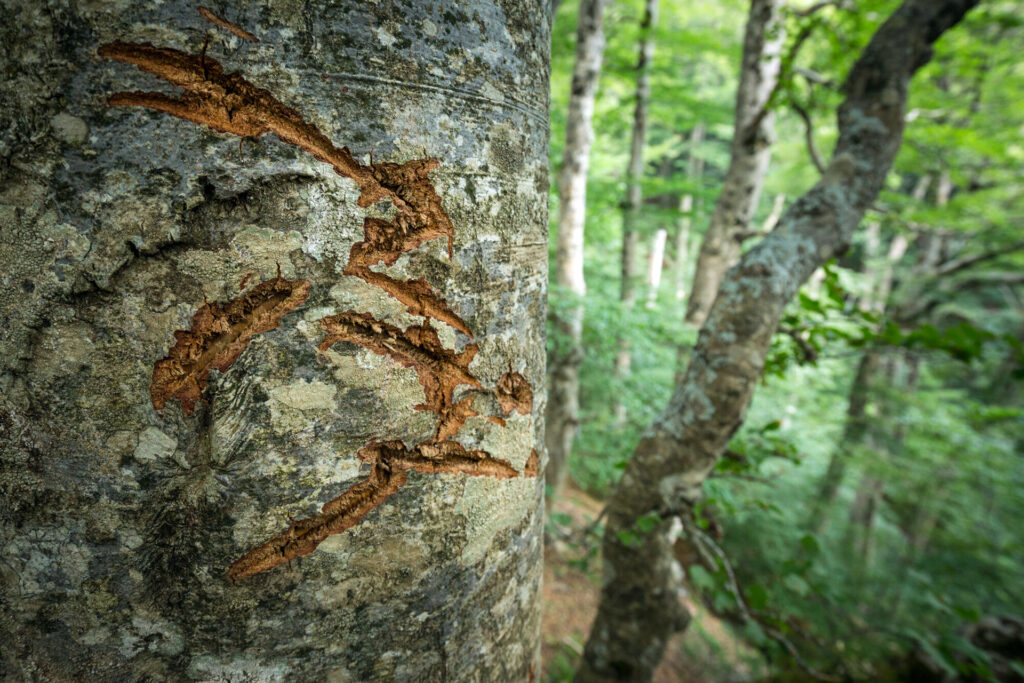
(226, 25)
(229, 103)
(219, 333)
(440, 370)
(514, 393)
(390, 461)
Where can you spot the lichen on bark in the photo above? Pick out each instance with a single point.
(117, 223)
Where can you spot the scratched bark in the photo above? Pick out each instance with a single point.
(118, 521)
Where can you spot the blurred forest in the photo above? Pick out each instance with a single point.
(865, 522)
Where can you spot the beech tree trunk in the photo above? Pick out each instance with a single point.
(688, 210)
(655, 265)
(634, 197)
(564, 385)
(639, 607)
(754, 132)
(257, 423)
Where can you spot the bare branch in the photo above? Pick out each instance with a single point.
(955, 265)
(749, 614)
(819, 163)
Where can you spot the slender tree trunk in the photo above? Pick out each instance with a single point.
(564, 388)
(182, 442)
(688, 209)
(899, 376)
(854, 432)
(655, 265)
(639, 606)
(754, 132)
(634, 198)
(856, 427)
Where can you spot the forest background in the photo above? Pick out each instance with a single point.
(867, 514)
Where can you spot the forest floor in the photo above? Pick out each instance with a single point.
(706, 653)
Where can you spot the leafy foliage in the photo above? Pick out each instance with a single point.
(856, 595)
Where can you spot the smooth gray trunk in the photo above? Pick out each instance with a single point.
(124, 504)
(753, 135)
(639, 607)
(634, 196)
(688, 210)
(564, 384)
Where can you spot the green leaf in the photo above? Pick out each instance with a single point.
(810, 545)
(796, 584)
(647, 523)
(756, 595)
(700, 578)
(629, 538)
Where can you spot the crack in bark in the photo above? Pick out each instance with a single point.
(219, 334)
(231, 104)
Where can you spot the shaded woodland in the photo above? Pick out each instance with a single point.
(862, 520)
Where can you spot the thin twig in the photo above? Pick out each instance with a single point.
(770, 631)
(819, 163)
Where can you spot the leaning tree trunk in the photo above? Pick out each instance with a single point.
(564, 388)
(228, 342)
(639, 607)
(634, 193)
(753, 133)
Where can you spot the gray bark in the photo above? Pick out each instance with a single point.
(118, 521)
(754, 132)
(564, 384)
(639, 607)
(634, 192)
(688, 210)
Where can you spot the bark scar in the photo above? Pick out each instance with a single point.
(219, 334)
(227, 25)
(231, 104)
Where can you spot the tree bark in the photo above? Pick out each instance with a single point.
(176, 419)
(634, 196)
(639, 607)
(754, 132)
(688, 209)
(655, 264)
(564, 384)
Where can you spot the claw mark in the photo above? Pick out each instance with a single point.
(439, 369)
(225, 24)
(514, 393)
(219, 333)
(231, 104)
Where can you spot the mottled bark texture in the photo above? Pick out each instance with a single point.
(564, 384)
(329, 247)
(634, 193)
(639, 606)
(753, 134)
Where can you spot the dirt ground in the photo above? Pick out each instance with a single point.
(706, 653)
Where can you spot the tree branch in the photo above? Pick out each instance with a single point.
(819, 163)
(747, 613)
(955, 265)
